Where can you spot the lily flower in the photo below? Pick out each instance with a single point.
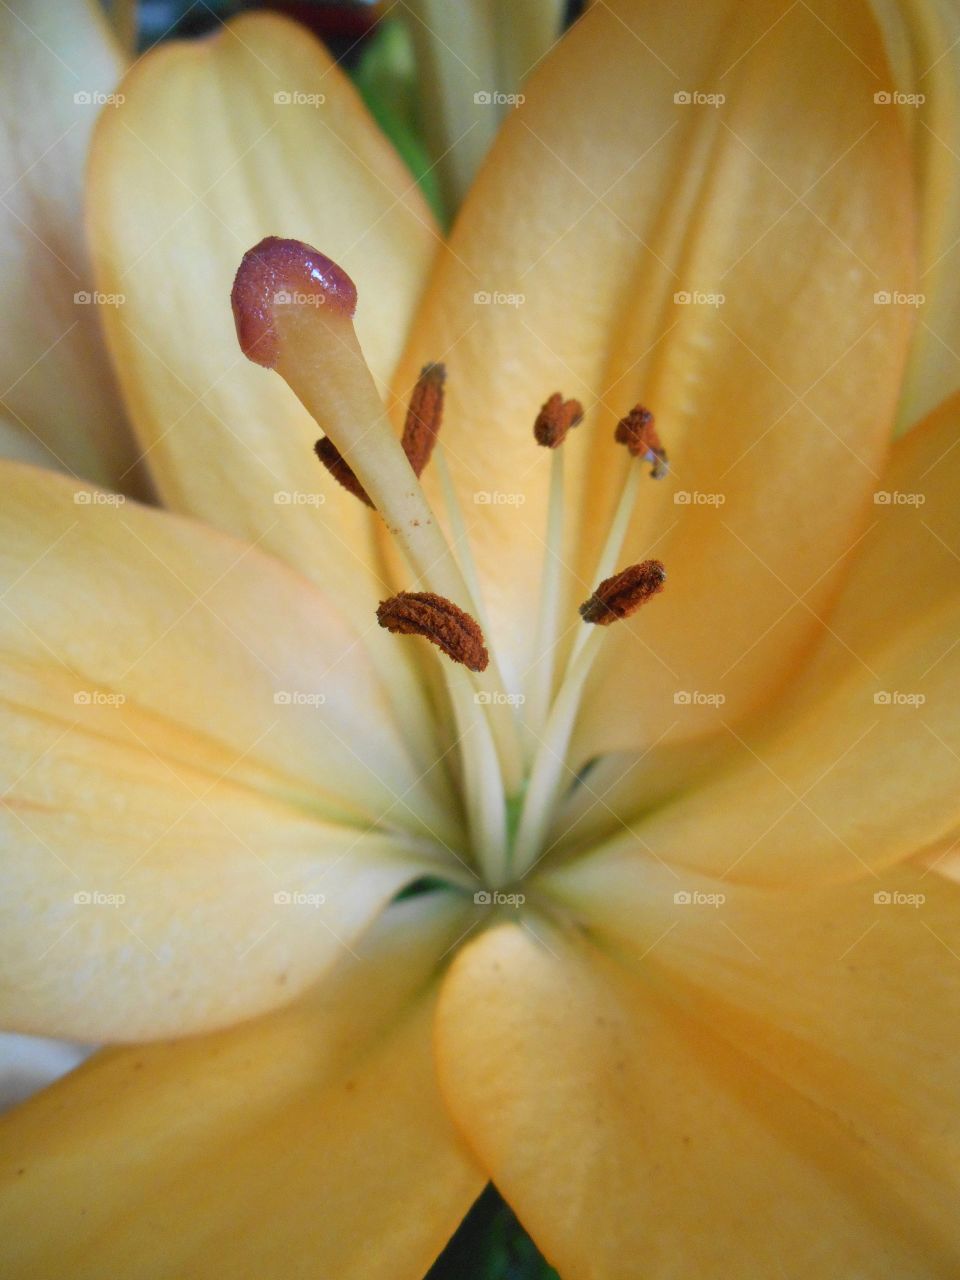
(634, 891)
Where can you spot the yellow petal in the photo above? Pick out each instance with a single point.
(218, 656)
(603, 199)
(923, 41)
(189, 731)
(57, 391)
(861, 766)
(253, 132)
(310, 1143)
(718, 1113)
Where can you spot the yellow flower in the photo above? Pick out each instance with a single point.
(717, 1036)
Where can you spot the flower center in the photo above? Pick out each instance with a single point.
(294, 313)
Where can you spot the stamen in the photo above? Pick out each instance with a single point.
(336, 464)
(424, 416)
(555, 419)
(624, 593)
(422, 613)
(638, 433)
(546, 778)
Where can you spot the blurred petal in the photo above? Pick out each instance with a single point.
(57, 392)
(719, 1113)
(562, 274)
(861, 765)
(220, 142)
(923, 43)
(312, 1142)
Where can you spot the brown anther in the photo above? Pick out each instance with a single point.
(424, 416)
(340, 469)
(555, 419)
(439, 620)
(639, 434)
(624, 593)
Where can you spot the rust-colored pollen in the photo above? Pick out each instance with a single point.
(439, 620)
(340, 469)
(555, 419)
(624, 593)
(424, 416)
(638, 433)
(277, 273)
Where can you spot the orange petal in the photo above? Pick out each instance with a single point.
(702, 1111)
(861, 765)
(312, 1142)
(603, 199)
(190, 731)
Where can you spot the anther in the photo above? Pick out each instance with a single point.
(439, 620)
(424, 415)
(638, 433)
(624, 593)
(337, 465)
(555, 419)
